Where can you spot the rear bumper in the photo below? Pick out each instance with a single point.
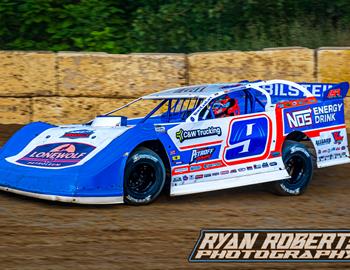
(68, 199)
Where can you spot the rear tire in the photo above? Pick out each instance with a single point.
(298, 162)
(144, 177)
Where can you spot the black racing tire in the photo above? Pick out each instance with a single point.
(144, 177)
(299, 164)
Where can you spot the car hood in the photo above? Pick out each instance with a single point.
(65, 146)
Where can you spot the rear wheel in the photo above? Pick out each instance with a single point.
(144, 177)
(298, 162)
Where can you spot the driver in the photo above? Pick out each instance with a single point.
(225, 106)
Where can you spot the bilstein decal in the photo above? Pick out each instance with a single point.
(56, 155)
(183, 135)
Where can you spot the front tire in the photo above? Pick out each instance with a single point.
(144, 177)
(298, 162)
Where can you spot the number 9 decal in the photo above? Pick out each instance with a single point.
(248, 140)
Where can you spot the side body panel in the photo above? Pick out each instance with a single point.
(324, 123)
(223, 153)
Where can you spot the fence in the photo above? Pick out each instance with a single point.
(70, 87)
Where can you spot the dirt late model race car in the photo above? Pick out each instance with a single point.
(196, 139)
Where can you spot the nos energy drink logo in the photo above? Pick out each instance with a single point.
(57, 155)
(317, 116)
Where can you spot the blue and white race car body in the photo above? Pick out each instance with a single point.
(86, 163)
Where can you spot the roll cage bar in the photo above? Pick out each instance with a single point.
(199, 106)
(258, 86)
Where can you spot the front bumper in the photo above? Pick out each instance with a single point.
(99, 180)
(73, 185)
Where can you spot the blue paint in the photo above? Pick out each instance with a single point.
(247, 138)
(318, 115)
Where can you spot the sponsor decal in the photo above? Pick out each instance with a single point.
(195, 168)
(190, 90)
(291, 191)
(315, 116)
(275, 154)
(175, 158)
(177, 179)
(202, 105)
(199, 176)
(183, 135)
(207, 175)
(255, 167)
(334, 93)
(272, 246)
(56, 155)
(326, 113)
(215, 174)
(75, 134)
(283, 90)
(328, 150)
(323, 142)
(145, 156)
(224, 172)
(299, 118)
(332, 156)
(338, 139)
(202, 154)
(160, 129)
(295, 103)
(212, 165)
(185, 177)
(179, 170)
(147, 199)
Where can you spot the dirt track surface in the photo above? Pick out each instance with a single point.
(44, 235)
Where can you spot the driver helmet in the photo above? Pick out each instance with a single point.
(225, 106)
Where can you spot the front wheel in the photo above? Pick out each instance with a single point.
(298, 162)
(144, 177)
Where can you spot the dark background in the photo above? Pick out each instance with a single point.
(123, 26)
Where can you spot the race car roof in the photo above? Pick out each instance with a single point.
(194, 91)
